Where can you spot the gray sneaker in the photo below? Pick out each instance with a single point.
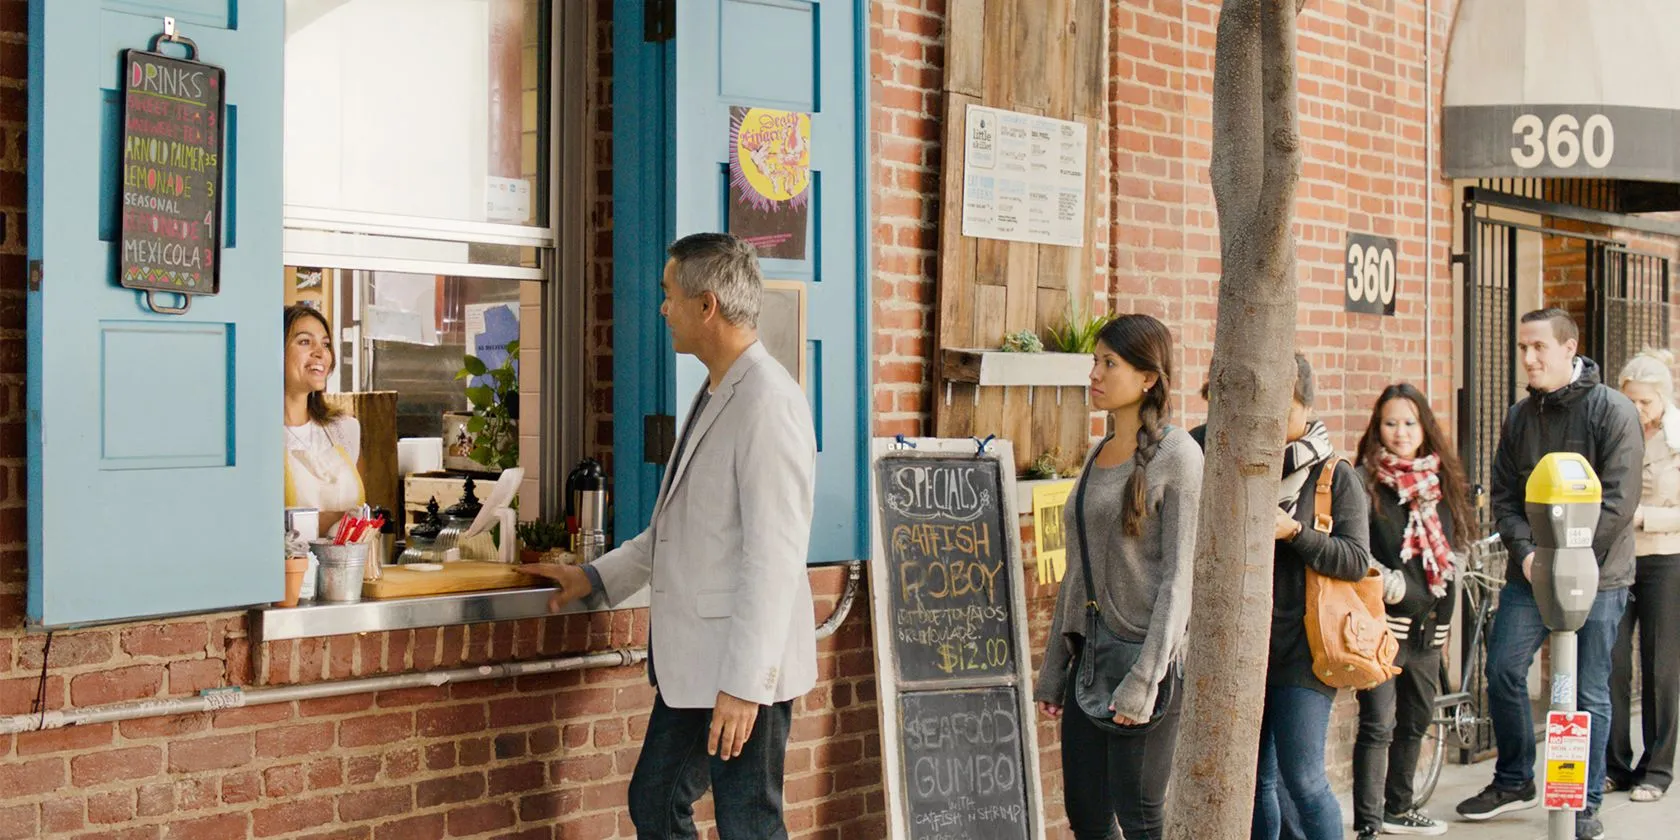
(1587, 826)
(1413, 822)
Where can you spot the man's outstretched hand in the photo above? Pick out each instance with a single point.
(571, 583)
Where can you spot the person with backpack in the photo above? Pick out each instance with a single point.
(1420, 512)
(1112, 669)
(1568, 409)
(1297, 711)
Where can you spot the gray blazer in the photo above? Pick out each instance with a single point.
(725, 551)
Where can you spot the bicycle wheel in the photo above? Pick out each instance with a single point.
(1432, 754)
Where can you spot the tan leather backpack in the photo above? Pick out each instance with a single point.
(1351, 644)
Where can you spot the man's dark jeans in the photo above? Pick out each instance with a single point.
(1517, 635)
(674, 771)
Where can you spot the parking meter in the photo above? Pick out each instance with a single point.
(1562, 501)
(1563, 498)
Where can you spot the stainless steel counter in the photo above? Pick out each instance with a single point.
(308, 620)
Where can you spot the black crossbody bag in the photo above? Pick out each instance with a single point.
(1106, 657)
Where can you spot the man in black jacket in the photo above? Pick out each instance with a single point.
(1568, 409)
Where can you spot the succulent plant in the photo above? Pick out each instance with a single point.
(1022, 341)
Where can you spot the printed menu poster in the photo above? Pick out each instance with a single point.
(770, 180)
(1024, 177)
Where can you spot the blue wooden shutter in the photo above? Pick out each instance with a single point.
(749, 53)
(157, 489)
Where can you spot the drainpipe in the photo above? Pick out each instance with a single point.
(234, 698)
(1429, 200)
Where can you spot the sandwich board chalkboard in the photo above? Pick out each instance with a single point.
(959, 744)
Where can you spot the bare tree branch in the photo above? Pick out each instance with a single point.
(1238, 148)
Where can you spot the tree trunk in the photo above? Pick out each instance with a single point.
(1256, 163)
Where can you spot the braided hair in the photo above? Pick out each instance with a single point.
(1146, 344)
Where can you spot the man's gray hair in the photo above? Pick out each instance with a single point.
(726, 266)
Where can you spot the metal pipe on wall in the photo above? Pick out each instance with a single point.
(239, 697)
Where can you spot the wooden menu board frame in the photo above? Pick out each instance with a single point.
(1018, 681)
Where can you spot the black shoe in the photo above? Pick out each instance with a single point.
(1587, 826)
(1413, 822)
(1367, 833)
(1612, 784)
(1495, 800)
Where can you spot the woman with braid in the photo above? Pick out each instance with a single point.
(1420, 510)
(1140, 492)
(1297, 716)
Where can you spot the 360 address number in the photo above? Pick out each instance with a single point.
(1563, 142)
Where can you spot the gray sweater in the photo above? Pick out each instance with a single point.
(1144, 582)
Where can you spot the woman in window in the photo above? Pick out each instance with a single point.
(322, 443)
(1140, 492)
(1420, 512)
(1655, 609)
(1297, 716)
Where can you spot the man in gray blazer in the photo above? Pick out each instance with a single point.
(733, 636)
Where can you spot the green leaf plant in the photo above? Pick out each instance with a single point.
(1079, 333)
(494, 425)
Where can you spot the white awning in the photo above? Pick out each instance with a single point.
(1564, 88)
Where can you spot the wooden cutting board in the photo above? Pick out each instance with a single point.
(465, 576)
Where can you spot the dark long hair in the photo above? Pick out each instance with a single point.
(1455, 489)
(1146, 344)
(319, 411)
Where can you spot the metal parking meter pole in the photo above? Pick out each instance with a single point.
(1562, 502)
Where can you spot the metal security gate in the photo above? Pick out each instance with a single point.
(1627, 310)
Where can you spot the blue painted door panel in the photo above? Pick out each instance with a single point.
(761, 53)
(158, 490)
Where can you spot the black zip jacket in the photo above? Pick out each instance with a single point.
(1420, 621)
(1596, 421)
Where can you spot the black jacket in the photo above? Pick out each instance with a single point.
(1342, 553)
(1420, 621)
(1596, 421)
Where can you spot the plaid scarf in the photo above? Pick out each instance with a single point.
(1418, 484)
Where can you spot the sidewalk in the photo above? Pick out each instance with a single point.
(1623, 820)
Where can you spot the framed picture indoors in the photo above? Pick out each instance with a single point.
(781, 325)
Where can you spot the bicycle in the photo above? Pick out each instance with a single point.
(1460, 715)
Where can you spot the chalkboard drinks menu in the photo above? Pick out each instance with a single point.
(172, 156)
(957, 727)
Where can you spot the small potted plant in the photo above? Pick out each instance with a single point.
(540, 540)
(487, 438)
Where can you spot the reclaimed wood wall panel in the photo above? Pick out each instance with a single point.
(1042, 57)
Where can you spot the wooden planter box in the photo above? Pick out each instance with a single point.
(995, 367)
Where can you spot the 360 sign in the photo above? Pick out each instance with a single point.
(1564, 142)
(1372, 276)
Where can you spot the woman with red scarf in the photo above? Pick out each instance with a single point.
(1419, 511)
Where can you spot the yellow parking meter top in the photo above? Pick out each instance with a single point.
(1563, 478)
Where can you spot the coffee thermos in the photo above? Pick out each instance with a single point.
(586, 509)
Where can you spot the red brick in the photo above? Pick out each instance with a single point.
(155, 799)
(17, 696)
(480, 819)
(473, 753)
(32, 777)
(240, 788)
(302, 739)
(427, 696)
(375, 730)
(210, 828)
(18, 822)
(139, 832)
(134, 682)
(166, 640)
(517, 779)
(452, 720)
(587, 827)
(115, 766)
(68, 650)
(173, 726)
(400, 764)
(521, 711)
(325, 773)
(428, 827)
(362, 769)
(331, 706)
(284, 782)
(217, 752)
(374, 804)
(447, 790)
(264, 715)
(191, 676)
(110, 808)
(62, 814)
(291, 817)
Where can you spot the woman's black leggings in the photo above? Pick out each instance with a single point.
(1108, 777)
